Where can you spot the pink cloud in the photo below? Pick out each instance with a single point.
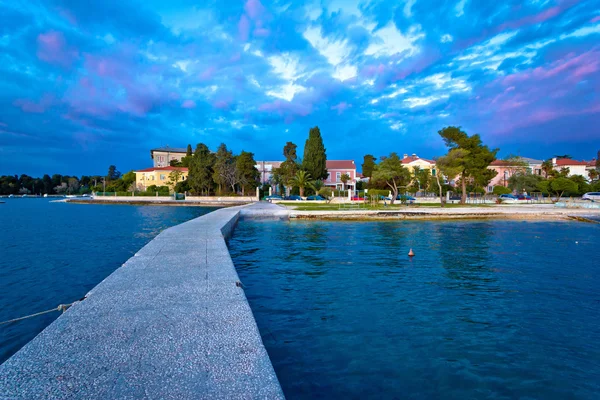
(244, 28)
(188, 104)
(29, 106)
(341, 107)
(52, 48)
(254, 9)
(262, 32)
(236, 57)
(68, 15)
(286, 108)
(595, 19)
(208, 73)
(221, 105)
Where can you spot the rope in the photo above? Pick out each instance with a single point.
(61, 307)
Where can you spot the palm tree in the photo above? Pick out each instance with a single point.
(302, 180)
(316, 185)
(344, 178)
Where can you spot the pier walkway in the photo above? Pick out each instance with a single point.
(172, 323)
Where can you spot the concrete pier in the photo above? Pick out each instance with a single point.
(172, 323)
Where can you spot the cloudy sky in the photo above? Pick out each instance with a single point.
(88, 84)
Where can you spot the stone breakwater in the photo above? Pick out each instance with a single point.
(172, 323)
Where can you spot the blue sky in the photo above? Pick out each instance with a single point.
(88, 84)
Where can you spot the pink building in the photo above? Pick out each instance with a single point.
(505, 169)
(337, 168)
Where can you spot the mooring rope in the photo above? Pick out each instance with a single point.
(61, 307)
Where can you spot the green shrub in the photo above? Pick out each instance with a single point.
(499, 190)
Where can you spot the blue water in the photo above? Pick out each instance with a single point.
(485, 310)
(54, 253)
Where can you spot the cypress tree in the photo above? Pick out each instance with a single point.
(368, 165)
(315, 160)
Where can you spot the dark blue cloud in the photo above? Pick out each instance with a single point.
(88, 84)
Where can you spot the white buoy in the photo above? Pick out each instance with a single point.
(411, 253)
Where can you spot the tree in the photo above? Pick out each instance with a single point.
(113, 174)
(287, 170)
(302, 179)
(474, 165)
(187, 159)
(344, 178)
(174, 178)
(522, 182)
(598, 161)
(449, 166)
(368, 165)
(499, 190)
(224, 168)
(246, 172)
(47, 182)
(73, 185)
(561, 185)
(201, 170)
(392, 173)
(548, 169)
(129, 181)
(315, 159)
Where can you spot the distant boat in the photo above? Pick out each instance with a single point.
(71, 196)
(46, 195)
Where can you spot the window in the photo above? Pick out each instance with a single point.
(162, 177)
(490, 188)
(338, 176)
(433, 172)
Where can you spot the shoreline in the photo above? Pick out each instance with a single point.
(172, 203)
(523, 213)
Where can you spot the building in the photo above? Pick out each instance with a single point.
(163, 156)
(575, 167)
(507, 168)
(335, 170)
(266, 170)
(591, 166)
(159, 176)
(410, 162)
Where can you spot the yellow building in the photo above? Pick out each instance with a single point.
(160, 176)
(410, 162)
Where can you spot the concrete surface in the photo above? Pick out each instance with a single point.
(171, 323)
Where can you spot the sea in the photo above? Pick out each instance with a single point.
(484, 310)
(53, 253)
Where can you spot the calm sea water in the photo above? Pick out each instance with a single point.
(54, 253)
(486, 310)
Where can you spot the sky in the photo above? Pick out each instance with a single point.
(87, 84)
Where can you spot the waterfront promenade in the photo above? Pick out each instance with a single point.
(172, 323)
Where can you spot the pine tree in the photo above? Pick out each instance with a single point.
(315, 160)
(368, 165)
(201, 170)
(223, 168)
(246, 171)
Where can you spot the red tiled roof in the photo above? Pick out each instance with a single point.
(499, 163)
(566, 161)
(409, 159)
(340, 164)
(169, 168)
(592, 163)
(359, 175)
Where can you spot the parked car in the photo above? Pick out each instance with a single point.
(293, 198)
(357, 198)
(273, 197)
(508, 197)
(592, 196)
(523, 197)
(315, 197)
(406, 198)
